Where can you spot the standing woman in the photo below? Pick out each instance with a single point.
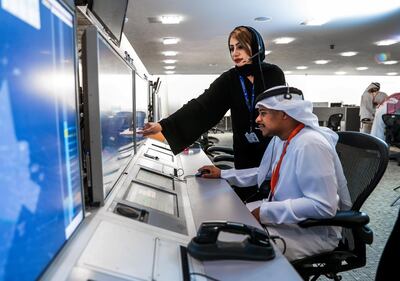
(236, 89)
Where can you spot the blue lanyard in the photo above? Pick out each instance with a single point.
(246, 97)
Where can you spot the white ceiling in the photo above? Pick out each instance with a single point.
(206, 24)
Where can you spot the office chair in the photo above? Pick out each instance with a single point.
(392, 137)
(334, 121)
(221, 154)
(392, 133)
(364, 159)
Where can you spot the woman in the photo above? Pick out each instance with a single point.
(236, 89)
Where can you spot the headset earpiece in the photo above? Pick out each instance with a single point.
(287, 93)
(260, 42)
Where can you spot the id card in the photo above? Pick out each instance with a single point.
(251, 137)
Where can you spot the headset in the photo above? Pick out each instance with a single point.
(287, 93)
(260, 44)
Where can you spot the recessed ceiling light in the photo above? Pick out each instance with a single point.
(212, 64)
(340, 72)
(287, 72)
(267, 52)
(170, 19)
(315, 22)
(262, 19)
(169, 61)
(170, 40)
(390, 62)
(169, 72)
(386, 42)
(169, 67)
(321, 61)
(283, 40)
(348, 54)
(301, 67)
(170, 53)
(392, 73)
(362, 68)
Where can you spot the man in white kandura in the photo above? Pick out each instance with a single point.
(307, 179)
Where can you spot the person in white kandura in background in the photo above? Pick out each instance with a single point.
(369, 101)
(390, 106)
(307, 179)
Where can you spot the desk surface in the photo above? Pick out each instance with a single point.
(215, 200)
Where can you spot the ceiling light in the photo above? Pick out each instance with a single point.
(267, 52)
(315, 22)
(170, 40)
(321, 61)
(169, 61)
(169, 72)
(170, 19)
(390, 62)
(287, 72)
(345, 8)
(386, 42)
(301, 67)
(283, 40)
(340, 72)
(362, 68)
(169, 67)
(170, 53)
(348, 54)
(392, 73)
(262, 19)
(212, 64)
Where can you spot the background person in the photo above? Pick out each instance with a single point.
(390, 106)
(236, 89)
(369, 101)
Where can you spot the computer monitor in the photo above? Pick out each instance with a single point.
(142, 89)
(108, 113)
(111, 14)
(40, 167)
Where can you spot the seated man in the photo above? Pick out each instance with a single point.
(307, 179)
(390, 106)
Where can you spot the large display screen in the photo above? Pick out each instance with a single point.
(141, 101)
(116, 113)
(40, 173)
(153, 198)
(150, 177)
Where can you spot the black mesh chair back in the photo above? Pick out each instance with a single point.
(364, 160)
(334, 121)
(392, 130)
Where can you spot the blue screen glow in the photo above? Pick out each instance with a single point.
(40, 180)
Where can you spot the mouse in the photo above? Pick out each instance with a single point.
(202, 172)
(128, 212)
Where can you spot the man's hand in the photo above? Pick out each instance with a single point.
(210, 172)
(256, 213)
(150, 128)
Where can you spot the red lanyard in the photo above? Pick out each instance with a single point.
(275, 173)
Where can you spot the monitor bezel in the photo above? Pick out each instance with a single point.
(113, 37)
(92, 124)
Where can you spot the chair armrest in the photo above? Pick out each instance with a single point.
(350, 219)
(223, 157)
(224, 149)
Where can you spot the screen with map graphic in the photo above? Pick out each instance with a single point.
(40, 173)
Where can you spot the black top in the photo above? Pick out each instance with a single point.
(199, 115)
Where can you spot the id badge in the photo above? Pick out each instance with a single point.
(252, 137)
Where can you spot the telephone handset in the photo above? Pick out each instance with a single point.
(206, 246)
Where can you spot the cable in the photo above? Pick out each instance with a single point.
(273, 237)
(204, 275)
